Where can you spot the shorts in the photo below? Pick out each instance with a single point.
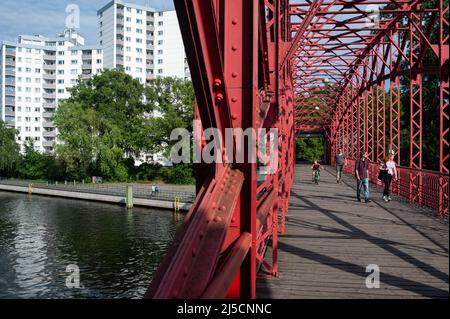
(339, 168)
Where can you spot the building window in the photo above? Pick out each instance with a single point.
(60, 52)
(37, 70)
(160, 23)
(74, 62)
(60, 62)
(160, 71)
(73, 71)
(99, 61)
(139, 21)
(60, 72)
(139, 31)
(160, 32)
(160, 51)
(138, 40)
(160, 42)
(128, 19)
(60, 81)
(160, 61)
(128, 29)
(61, 91)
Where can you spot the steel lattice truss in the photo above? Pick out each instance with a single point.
(321, 66)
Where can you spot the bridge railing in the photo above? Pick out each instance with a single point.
(139, 191)
(426, 188)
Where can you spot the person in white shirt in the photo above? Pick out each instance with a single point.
(391, 173)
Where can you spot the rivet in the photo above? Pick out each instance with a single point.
(234, 116)
(234, 99)
(217, 82)
(219, 97)
(234, 74)
(233, 219)
(234, 48)
(234, 21)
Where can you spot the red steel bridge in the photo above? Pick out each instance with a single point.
(338, 68)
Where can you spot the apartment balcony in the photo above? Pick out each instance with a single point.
(120, 30)
(48, 76)
(10, 92)
(10, 52)
(50, 67)
(150, 76)
(87, 56)
(120, 12)
(10, 113)
(48, 115)
(48, 143)
(48, 57)
(48, 124)
(150, 56)
(10, 72)
(49, 95)
(10, 62)
(119, 50)
(120, 22)
(10, 82)
(10, 101)
(49, 105)
(49, 86)
(120, 42)
(49, 134)
(86, 66)
(86, 76)
(150, 28)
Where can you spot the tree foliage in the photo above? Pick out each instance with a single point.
(9, 151)
(310, 149)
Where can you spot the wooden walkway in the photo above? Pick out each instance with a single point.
(331, 238)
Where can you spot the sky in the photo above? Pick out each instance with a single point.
(47, 17)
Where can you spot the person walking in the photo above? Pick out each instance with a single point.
(390, 173)
(341, 161)
(362, 177)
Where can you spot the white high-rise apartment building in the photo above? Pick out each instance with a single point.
(35, 74)
(142, 41)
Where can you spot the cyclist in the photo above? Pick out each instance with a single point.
(315, 172)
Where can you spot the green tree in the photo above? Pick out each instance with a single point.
(310, 148)
(9, 151)
(101, 124)
(33, 163)
(173, 103)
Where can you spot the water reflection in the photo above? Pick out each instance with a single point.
(117, 250)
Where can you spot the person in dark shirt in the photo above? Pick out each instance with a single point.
(341, 161)
(362, 177)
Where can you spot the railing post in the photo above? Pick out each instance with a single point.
(129, 197)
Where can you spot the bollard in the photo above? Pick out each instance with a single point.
(129, 197)
(176, 204)
(74, 183)
(65, 182)
(30, 189)
(83, 181)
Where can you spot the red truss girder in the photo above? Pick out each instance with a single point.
(234, 49)
(309, 67)
(362, 59)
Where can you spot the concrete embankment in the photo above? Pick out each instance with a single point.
(121, 200)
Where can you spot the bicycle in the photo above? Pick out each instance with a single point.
(316, 177)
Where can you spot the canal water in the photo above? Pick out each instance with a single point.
(116, 250)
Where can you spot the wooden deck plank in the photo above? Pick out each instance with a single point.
(331, 238)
